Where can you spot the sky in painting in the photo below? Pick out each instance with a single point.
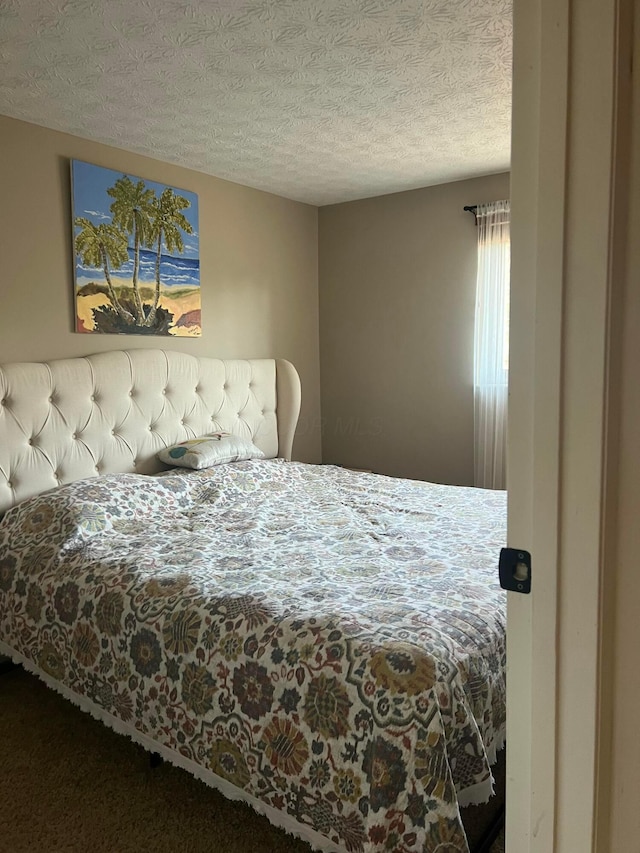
(89, 191)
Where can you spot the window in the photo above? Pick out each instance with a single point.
(491, 345)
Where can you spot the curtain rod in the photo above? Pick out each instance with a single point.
(472, 208)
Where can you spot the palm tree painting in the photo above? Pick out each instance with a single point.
(137, 268)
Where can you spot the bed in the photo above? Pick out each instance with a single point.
(325, 645)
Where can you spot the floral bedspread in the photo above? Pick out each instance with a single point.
(331, 643)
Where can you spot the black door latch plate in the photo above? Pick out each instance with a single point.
(515, 570)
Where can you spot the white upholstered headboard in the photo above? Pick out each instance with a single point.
(65, 420)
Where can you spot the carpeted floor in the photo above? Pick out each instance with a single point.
(67, 783)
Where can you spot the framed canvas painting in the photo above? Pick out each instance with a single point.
(136, 252)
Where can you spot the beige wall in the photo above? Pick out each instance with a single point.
(258, 257)
(397, 302)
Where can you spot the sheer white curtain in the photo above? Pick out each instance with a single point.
(491, 349)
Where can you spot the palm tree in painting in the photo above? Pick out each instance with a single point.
(99, 246)
(167, 222)
(132, 209)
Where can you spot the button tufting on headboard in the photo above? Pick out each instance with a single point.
(114, 411)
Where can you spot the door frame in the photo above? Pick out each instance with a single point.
(569, 164)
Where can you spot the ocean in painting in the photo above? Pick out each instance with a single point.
(183, 272)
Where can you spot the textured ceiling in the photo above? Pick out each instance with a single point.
(316, 100)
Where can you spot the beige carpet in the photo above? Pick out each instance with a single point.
(67, 783)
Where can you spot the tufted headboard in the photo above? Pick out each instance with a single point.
(74, 418)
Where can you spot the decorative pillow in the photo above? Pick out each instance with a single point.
(210, 450)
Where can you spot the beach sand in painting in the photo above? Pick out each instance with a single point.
(182, 302)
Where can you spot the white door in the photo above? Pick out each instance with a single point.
(569, 177)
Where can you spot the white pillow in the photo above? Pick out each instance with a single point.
(210, 450)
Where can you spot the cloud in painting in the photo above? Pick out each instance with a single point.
(98, 214)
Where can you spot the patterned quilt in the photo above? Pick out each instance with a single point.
(331, 643)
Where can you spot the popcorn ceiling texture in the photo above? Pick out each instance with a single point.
(317, 100)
